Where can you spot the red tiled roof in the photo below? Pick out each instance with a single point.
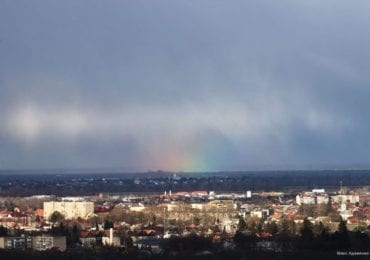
(18, 215)
(40, 212)
(101, 209)
(264, 234)
(277, 216)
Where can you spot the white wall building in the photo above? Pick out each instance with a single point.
(317, 196)
(322, 199)
(111, 239)
(344, 198)
(344, 212)
(45, 242)
(70, 210)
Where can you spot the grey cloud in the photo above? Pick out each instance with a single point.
(91, 83)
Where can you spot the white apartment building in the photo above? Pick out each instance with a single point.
(45, 242)
(70, 209)
(317, 196)
(352, 198)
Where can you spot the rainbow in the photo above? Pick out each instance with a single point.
(205, 155)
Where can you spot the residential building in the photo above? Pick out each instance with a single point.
(70, 210)
(47, 242)
(16, 242)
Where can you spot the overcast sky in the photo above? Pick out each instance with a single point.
(184, 85)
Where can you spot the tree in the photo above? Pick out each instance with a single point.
(292, 227)
(60, 230)
(74, 235)
(153, 219)
(94, 220)
(56, 216)
(196, 220)
(342, 235)
(306, 231)
(306, 210)
(342, 227)
(252, 225)
(306, 234)
(334, 217)
(3, 231)
(259, 227)
(272, 228)
(324, 209)
(284, 229)
(108, 224)
(319, 229)
(242, 225)
(9, 205)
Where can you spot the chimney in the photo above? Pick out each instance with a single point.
(111, 236)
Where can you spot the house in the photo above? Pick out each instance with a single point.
(40, 213)
(148, 242)
(90, 238)
(277, 217)
(111, 239)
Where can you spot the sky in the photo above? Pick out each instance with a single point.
(184, 85)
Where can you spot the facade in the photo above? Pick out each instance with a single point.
(260, 213)
(314, 197)
(198, 206)
(70, 210)
(90, 241)
(38, 243)
(345, 198)
(148, 241)
(344, 212)
(90, 238)
(221, 204)
(323, 199)
(16, 242)
(46, 242)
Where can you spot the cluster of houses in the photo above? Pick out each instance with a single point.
(192, 209)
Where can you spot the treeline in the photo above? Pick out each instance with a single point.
(78, 185)
(284, 242)
(309, 238)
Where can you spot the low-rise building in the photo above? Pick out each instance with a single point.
(47, 242)
(260, 213)
(317, 196)
(18, 243)
(38, 243)
(90, 238)
(352, 198)
(111, 239)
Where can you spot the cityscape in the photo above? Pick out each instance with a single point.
(184, 130)
(183, 223)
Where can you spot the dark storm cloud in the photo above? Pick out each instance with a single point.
(133, 83)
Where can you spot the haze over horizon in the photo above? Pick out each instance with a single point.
(184, 85)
